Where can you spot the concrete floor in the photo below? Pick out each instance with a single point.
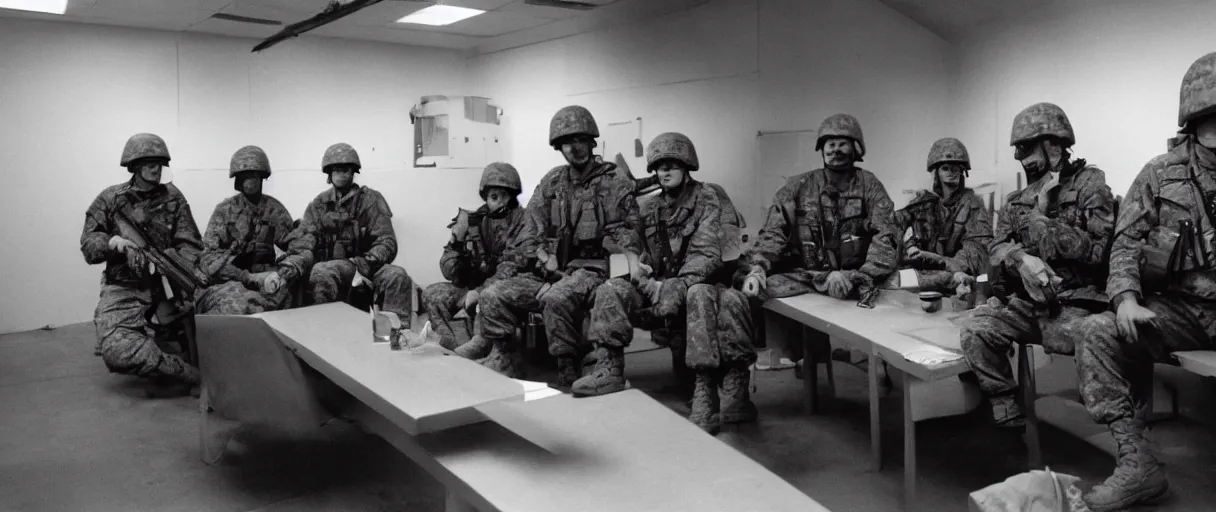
(74, 437)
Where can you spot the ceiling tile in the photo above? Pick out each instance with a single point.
(253, 10)
(396, 35)
(383, 14)
(494, 23)
(235, 29)
(555, 13)
(306, 7)
(485, 5)
(145, 14)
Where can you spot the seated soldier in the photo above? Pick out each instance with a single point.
(950, 226)
(355, 241)
(471, 259)
(240, 245)
(830, 230)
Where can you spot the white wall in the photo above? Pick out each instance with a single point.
(1115, 71)
(72, 94)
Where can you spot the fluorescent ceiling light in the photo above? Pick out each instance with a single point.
(47, 6)
(438, 15)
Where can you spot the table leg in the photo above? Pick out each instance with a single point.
(909, 446)
(810, 373)
(875, 431)
(455, 504)
(1034, 449)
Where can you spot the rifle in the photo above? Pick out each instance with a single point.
(176, 272)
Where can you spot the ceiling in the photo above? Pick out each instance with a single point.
(506, 24)
(955, 20)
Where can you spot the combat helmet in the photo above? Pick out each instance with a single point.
(340, 154)
(1041, 120)
(674, 146)
(572, 120)
(500, 174)
(841, 125)
(948, 149)
(249, 159)
(143, 146)
(1197, 97)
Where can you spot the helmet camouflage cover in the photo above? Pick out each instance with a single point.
(340, 154)
(572, 120)
(1041, 120)
(249, 158)
(841, 125)
(141, 146)
(1198, 95)
(500, 174)
(674, 146)
(945, 150)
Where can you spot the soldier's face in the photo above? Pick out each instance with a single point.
(251, 185)
(577, 150)
(838, 152)
(950, 174)
(149, 171)
(497, 198)
(1040, 156)
(342, 177)
(671, 174)
(1205, 131)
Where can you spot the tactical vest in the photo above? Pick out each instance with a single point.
(831, 228)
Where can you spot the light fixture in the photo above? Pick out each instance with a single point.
(47, 6)
(439, 15)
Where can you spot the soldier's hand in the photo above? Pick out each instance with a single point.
(962, 283)
(120, 245)
(272, 282)
(470, 301)
(1038, 278)
(1130, 314)
(136, 259)
(1044, 198)
(641, 273)
(544, 288)
(651, 289)
(358, 280)
(839, 284)
(460, 228)
(755, 282)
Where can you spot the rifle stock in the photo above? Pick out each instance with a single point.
(182, 275)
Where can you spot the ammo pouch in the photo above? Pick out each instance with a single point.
(1167, 254)
(853, 250)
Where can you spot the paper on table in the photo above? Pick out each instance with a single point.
(536, 390)
(931, 355)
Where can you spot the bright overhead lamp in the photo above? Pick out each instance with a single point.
(47, 6)
(439, 15)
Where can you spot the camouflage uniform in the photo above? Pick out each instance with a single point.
(958, 228)
(476, 262)
(1178, 186)
(240, 243)
(124, 337)
(590, 217)
(1071, 238)
(354, 233)
(813, 228)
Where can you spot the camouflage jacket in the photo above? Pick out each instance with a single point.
(813, 226)
(1072, 237)
(959, 229)
(486, 254)
(242, 236)
(597, 215)
(357, 227)
(683, 239)
(166, 220)
(1172, 187)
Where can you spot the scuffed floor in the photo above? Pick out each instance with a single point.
(75, 437)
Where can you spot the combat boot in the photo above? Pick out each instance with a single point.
(505, 360)
(1138, 478)
(705, 404)
(737, 406)
(608, 377)
(476, 348)
(1007, 413)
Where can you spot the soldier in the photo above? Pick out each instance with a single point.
(951, 228)
(129, 292)
(683, 237)
(1051, 242)
(830, 230)
(578, 214)
(476, 256)
(1162, 286)
(246, 274)
(355, 241)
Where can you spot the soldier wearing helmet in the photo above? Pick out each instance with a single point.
(830, 230)
(131, 290)
(950, 227)
(1048, 255)
(478, 253)
(579, 213)
(355, 241)
(240, 245)
(1161, 288)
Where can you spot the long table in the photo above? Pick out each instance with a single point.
(893, 330)
(471, 428)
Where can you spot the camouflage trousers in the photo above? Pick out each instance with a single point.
(442, 301)
(233, 298)
(505, 304)
(720, 328)
(125, 339)
(989, 335)
(788, 284)
(330, 281)
(1112, 372)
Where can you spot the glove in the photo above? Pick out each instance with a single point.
(651, 289)
(460, 228)
(121, 245)
(272, 282)
(1038, 278)
(1045, 193)
(755, 282)
(470, 301)
(137, 260)
(641, 273)
(961, 282)
(839, 284)
(1131, 314)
